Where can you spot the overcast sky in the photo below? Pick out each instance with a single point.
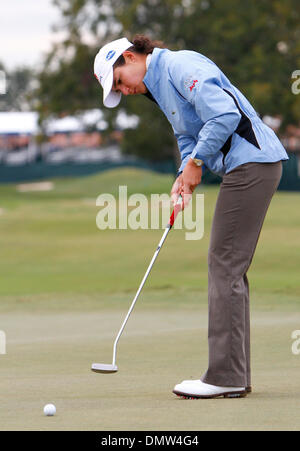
(25, 30)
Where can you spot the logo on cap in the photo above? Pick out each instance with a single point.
(110, 54)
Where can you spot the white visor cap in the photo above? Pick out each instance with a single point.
(103, 69)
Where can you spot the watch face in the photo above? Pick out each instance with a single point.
(198, 162)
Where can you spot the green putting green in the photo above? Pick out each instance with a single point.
(66, 287)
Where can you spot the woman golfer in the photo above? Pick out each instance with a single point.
(216, 128)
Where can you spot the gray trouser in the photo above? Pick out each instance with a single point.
(243, 200)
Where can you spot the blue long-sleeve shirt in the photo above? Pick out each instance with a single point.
(211, 118)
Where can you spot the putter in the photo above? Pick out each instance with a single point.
(112, 368)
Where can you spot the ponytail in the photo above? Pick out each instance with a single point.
(142, 45)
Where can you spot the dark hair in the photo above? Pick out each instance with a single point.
(142, 45)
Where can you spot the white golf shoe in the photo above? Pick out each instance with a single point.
(248, 388)
(198, 389)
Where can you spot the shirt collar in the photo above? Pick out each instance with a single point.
(148, 59)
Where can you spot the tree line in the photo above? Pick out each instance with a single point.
(255, 42)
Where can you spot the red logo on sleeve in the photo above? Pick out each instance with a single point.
(193, 85)
(190, 83)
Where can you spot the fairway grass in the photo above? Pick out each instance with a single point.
(66, 287)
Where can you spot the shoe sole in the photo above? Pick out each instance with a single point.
(236, 394)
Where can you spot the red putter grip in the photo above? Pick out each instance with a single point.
(174, 214)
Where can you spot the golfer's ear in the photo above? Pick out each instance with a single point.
(129, 56)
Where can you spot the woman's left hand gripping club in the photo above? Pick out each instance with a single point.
(186, 182)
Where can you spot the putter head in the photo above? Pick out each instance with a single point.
(103, 368)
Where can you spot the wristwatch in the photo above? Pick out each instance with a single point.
(197, 162)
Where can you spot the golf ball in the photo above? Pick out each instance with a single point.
(49, 410)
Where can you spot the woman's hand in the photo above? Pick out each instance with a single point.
(185, 184)
(176, 189)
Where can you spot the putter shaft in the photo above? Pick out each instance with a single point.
(176, 210)
(138, 292)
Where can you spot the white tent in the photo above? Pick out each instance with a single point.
(27, 122)
(89, 118)
(76, 123)
(18, 123)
